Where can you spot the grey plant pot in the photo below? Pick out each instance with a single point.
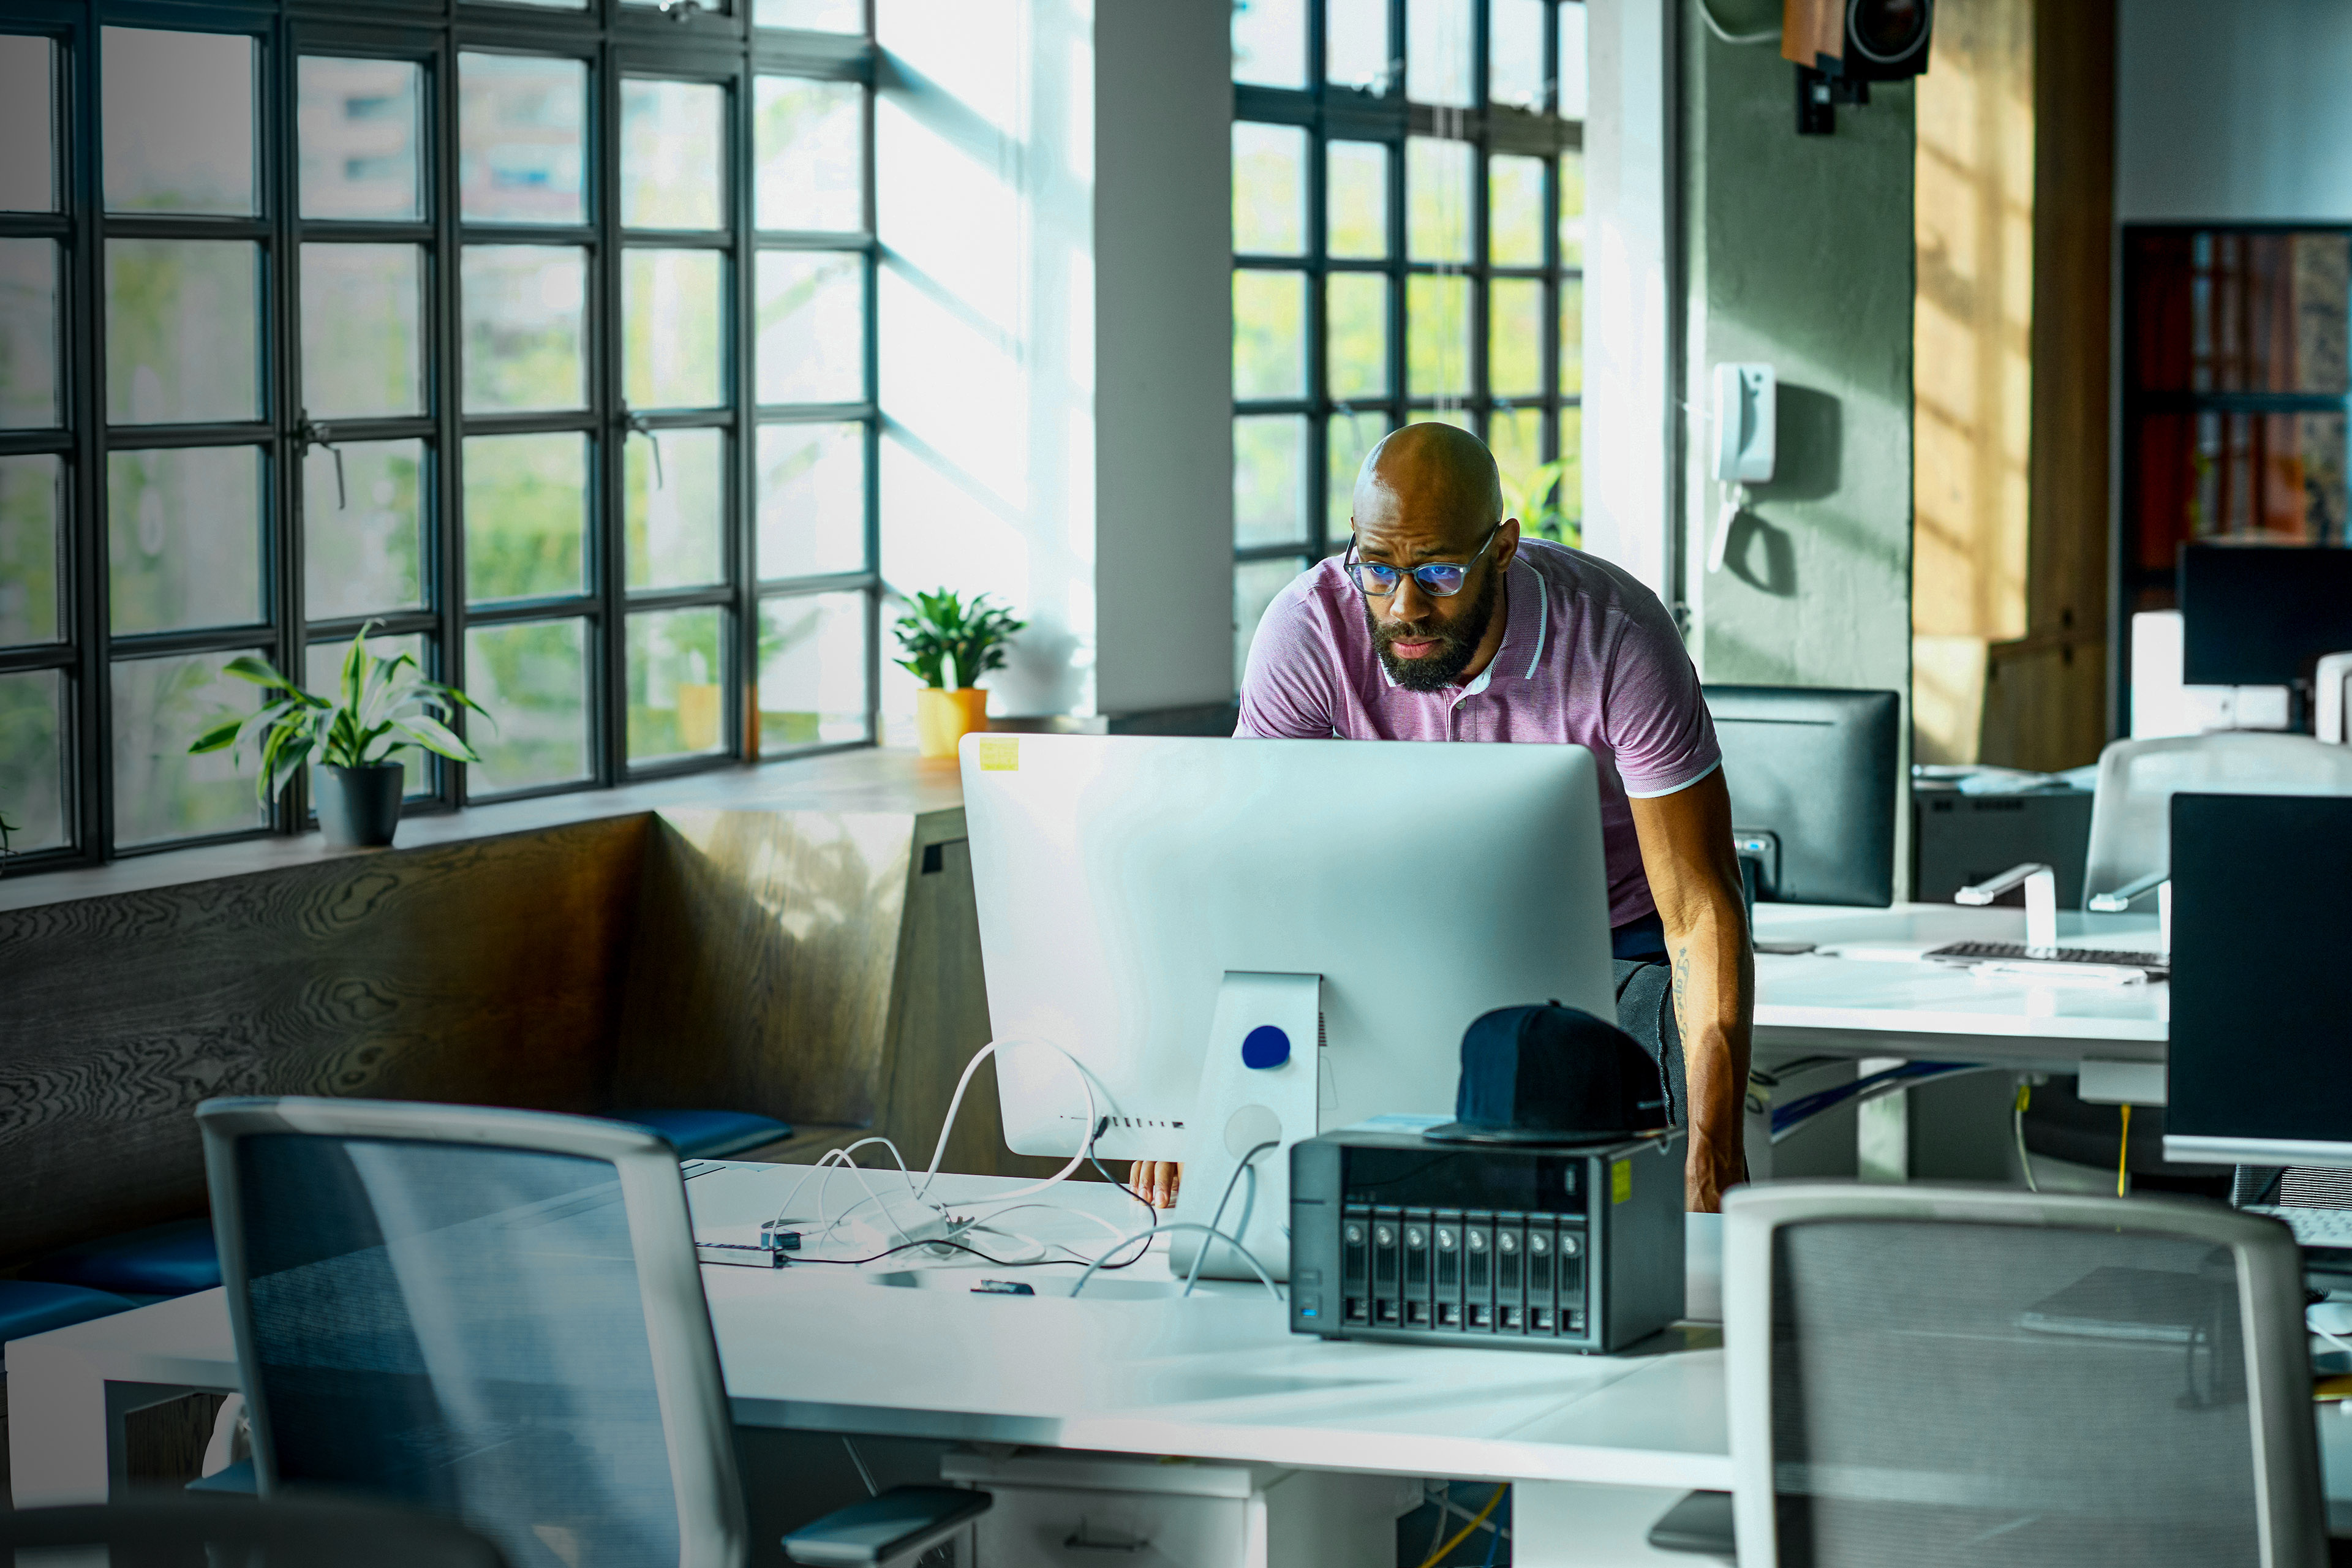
(360, 807)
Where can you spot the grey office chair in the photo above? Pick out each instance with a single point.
(493, 1315)
(1952, 1377)
(2130, 849)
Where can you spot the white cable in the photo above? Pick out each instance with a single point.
(1761, 35)
(1232, 1181)
(1247, 1257)
(1086, 1144)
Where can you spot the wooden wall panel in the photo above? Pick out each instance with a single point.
(479, 972)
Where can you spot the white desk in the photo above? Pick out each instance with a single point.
(1812, 1005)
(819, 1349)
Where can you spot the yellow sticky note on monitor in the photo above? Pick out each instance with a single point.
(1000, 755)
(1621, 1181)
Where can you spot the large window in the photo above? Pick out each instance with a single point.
(1408, 244)
(538, 334)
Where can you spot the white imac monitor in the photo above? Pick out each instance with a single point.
(1367, 900)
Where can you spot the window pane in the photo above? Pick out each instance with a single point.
(812, 671)
(1356, 178)
(1570, 495)
(526, 513)
(1571, 59)
(182, 333)
(1515, 310)
(808, 145)
(1437, 177)
(30, 504)
(526, 328)
(1571, 203)
(670, 328)
(810, 342)
(1351, 438)
(1269, 189)
(358, 123)
(177, 115)
(183, 537)
(811, 15)
(1269, 334)
(322, 670)
(1437, 52)
(1270, 42)
(1357, 323)
(28, 333)
(1572, 334)
(521, 125)
(1255, 583)
(1515, 439)
(533, 680)
(32, 759)
(674, 691)
(812, 500)
(363, 339)
(28, 180)
(1437, 336)
(674, 507)
(1356, 45)
(673, 154)
(360, 550)
(1269, 480)
(1514, 221)
(160, 791)
(1514, 54)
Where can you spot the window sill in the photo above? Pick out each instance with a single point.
(866, 779)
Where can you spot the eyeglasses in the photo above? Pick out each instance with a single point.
(1441, 579)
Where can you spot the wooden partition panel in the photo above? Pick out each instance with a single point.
(483, 972)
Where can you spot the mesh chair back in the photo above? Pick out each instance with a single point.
(493, 1315)
(1955, 1378)
(2131, 812)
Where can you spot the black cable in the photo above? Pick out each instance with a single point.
(959, 1247)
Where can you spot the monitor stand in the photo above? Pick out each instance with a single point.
(1258, 1085)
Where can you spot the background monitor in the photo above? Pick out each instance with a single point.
(1812, 773)
(2256, 615)
(2260, 1052)
(1118, 879)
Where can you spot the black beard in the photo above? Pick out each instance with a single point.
(1456, 645)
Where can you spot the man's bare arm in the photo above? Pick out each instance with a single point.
(1694, 878)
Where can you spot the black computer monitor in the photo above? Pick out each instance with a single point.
(2261, 1051)
(2262, 615)
(1812, 773)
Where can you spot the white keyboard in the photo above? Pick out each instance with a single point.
(2312, 1228)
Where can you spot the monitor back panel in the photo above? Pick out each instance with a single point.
(1815, 768)
(2262, 971)
(2256, 615)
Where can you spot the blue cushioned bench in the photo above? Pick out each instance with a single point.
(707, 1134)
(173, 1259)
(29, 1307)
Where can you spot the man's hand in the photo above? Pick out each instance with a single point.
(1156, 1180)
(1694, 878)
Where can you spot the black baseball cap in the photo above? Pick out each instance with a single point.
(1553, 1074)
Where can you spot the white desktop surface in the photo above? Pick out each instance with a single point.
(1216, 1377)
(1849, 1006)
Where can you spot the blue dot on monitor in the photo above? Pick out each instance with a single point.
(1265, 1047)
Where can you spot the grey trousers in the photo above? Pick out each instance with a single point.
(1646, 1010)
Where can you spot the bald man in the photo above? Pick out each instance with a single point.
(1441, 623)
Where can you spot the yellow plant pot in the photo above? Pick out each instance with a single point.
(944, 718)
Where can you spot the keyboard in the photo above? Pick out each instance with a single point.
(2158, 965)
(2312, 1228)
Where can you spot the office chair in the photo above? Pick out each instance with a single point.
(167, 1531)
(1956, 1376)
(493, 1315)
(2131, 808)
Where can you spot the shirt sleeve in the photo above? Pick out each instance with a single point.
(1655, 715)
(1287, 685)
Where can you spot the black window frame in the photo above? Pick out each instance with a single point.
(682, 40)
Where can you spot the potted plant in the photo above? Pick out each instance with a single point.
(384, 706)
(949, 645)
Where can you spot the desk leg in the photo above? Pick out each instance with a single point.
(1575, 1524)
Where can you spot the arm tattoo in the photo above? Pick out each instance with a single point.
(1681, 969)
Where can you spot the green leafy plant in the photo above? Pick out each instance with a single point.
(384, 706)
(1538, 507)
(948, 643)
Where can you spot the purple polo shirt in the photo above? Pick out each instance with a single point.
(1589, 656)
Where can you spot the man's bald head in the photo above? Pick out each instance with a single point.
(1435, 475)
